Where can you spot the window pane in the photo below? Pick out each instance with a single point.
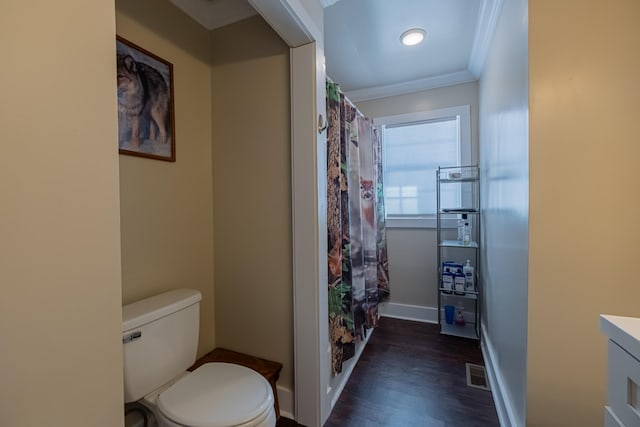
(413, 152)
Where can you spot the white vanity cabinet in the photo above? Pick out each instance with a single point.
(623, 394)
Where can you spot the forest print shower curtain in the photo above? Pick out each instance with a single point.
(357, 244)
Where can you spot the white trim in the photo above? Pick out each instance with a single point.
(347, 370)
(410, 222)
(464, 111)
(416, 313)
(485, 28)
(308, 174)
(409, 312)
(289, 19)
(285, 401)
(465, 152)
(501, 397)
(421, 116)
(419, 222)
(309, 219)
(458, 77)
(327, 3)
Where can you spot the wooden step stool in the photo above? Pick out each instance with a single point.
(268, 369)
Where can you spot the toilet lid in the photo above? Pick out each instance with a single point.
(216, 395)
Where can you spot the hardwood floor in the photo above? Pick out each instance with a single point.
(410, 375)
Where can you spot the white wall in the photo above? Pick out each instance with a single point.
(60, 310)
(413, 252)
(504, 163)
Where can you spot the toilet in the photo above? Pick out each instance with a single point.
(160, 340)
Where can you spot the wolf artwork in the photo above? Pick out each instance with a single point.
(144, 104)
(142, 91)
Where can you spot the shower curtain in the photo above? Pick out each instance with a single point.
(358, 267)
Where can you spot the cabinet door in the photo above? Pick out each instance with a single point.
(624, 383)
(610, 419)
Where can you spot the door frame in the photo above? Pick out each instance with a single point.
(304, 35)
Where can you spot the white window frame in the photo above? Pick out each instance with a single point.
(464, 113)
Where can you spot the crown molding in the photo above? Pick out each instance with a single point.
(485, 28)
(488, 15)
(327, 3)
(411, 86)
(289, 19)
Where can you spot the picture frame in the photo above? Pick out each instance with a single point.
(146, 117)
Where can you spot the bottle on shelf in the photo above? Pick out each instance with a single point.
(466, 234)
(459, 317)
(469, 277)
(447, 280)
(458, 282)
(461, 221)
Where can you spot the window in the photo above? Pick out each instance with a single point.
(414, 146)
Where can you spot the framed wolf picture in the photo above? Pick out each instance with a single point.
(145, 103)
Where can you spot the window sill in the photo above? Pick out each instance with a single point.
(419, 222)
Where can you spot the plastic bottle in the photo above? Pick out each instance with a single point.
(459, 316)
(469, 277)
(460, 223)
(466, 234)
(458, 282)
(447, 280)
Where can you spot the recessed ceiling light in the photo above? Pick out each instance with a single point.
(412, 37)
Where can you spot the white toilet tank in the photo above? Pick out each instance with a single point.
(159, 340)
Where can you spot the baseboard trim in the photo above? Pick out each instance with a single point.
(501, 396)
(286, 396)
(416, 313)
(285, 401)
(348, 367)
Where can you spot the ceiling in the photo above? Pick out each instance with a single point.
(213, 14)
(362, 40)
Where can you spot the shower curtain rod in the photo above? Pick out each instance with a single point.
(329, 79)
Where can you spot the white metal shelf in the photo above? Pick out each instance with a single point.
(467, 206)
(458, 180)
(467, 294)
(457, 244)
(468, 330)
(459, 211)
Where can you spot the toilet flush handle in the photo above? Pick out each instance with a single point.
(133, 336)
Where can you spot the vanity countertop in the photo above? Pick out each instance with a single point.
(624, 331)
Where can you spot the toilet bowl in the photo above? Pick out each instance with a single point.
(160, 344)
(215, 395)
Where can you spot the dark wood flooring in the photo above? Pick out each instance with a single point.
(410, 375)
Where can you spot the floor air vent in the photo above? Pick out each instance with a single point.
(477, 377)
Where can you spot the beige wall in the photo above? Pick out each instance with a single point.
(166, 208)
(413, 252)
(584, 155)
(252, 192)
(60, 312)
(504, 166)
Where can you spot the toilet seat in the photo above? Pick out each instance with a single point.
(217, 395)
